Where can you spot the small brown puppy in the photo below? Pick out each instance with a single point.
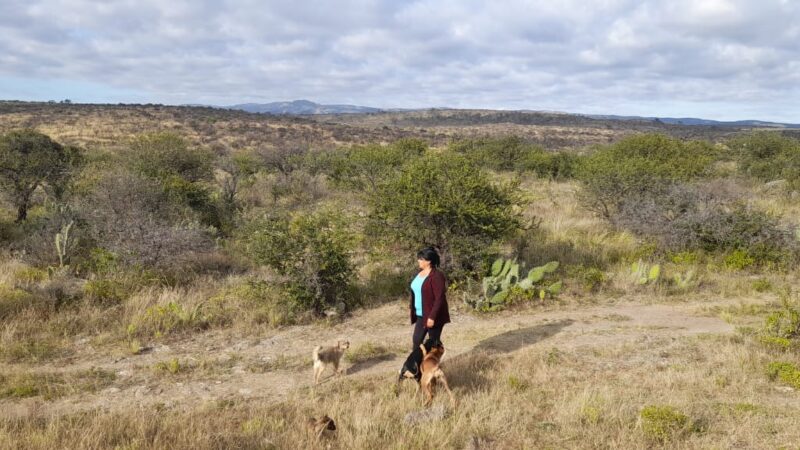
(322, 426)
(328, 356)
(432, 373)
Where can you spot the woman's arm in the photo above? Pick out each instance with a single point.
(439, 288)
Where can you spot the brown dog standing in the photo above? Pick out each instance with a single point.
(432, 373)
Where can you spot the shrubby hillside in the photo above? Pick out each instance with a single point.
(126, 229)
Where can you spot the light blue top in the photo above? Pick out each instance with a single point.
(416, 288)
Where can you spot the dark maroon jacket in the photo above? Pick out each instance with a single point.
(434, 299)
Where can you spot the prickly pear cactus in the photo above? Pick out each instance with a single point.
(644, 274)
(505, 278)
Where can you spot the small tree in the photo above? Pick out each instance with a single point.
(364, 167)
(312, 252)
(446, 201)
(29, 159)
(184, 172)
(635, 165)
(167, 155)
(768, 156)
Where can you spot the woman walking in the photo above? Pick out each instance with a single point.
(427, 307)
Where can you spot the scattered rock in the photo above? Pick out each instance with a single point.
(774, 185)
(109, 391)
(433, 414)
(246, 392)
(784, 388)
(161, 349)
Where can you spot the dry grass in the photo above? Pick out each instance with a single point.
(584, 397)
(564, 395)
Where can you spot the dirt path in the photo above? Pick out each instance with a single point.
(270, 368)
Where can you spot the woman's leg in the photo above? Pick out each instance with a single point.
(435, 333)
(419, 334)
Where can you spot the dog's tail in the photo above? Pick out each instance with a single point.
(315, 354)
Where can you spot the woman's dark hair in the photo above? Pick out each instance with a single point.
(429, 254)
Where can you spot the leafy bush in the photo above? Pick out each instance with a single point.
(446, 201)
(311, 252)
(12, 301)
(739, 259)
(785, 372)
(513, 153)
(634, 166)
(558, 165)
(507, 153)
(29, 159)
(364, 167)
(590, 278)
(768, 156)
(105, 291)
(785, 322)
(182, 171)
(133, 219)
(166, 155)
(687, 218)
(662, 423)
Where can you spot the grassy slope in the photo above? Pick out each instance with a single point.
(582, 386)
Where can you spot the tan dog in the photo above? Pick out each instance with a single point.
(432, 373)
(328, 357)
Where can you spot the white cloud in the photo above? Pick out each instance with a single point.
(726, 58)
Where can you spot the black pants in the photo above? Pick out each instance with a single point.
(420, 331)
(415, 358)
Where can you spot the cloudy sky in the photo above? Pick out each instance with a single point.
(717, 59)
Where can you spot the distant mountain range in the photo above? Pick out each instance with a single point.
(306, 107)
(300, 107)
(696, 121)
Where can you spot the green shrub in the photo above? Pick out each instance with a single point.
(172, 367)
(768, 156)
(738, 260)
(105, 291)
(685, 257)
(311, 252)
(30, 275)
(785, 322)
(506, 153)
(591, 279)
(165, 155)
(558, 165)
(363, 167)
(12, 301)
(784, 371)
(28, 160)
(636, 165)
(446, 201)
(662, 423)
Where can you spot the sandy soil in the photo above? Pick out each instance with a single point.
(270, 368)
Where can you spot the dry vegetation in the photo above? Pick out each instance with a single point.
(119, 353)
